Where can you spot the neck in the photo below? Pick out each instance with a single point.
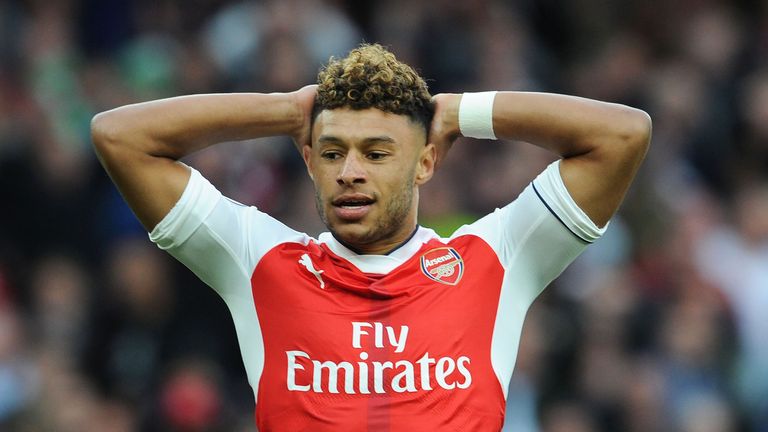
(384, 248)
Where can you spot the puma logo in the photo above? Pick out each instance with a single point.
(307, 262)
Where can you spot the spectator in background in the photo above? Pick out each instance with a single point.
(734, 256)
(132, 335)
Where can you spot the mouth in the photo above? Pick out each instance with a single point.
(352, 206)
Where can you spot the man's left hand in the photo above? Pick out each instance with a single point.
(445, 124)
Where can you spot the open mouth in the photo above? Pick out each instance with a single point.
(353, 201)
(353, 206)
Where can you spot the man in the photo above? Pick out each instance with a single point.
(378, 324)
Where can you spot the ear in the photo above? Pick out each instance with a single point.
(426, 165)
(306, 153)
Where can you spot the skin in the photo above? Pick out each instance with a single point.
(602, 146)
(375, 157)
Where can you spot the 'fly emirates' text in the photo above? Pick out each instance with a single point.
(356, 375)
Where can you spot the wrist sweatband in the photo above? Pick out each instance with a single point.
(476, 115)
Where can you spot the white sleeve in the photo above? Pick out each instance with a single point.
(538, 234)
(220, 240)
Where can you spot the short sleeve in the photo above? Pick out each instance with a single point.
(538, 234)
(196, 203)
(551, 190)
(217, 238)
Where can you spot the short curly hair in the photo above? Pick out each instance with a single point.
(371, 77)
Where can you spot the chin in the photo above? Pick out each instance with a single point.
(350, 232)
(356, 235)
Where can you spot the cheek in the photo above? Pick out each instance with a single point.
(324, 183)
(397, 187)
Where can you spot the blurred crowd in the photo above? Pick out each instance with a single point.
(662, 325)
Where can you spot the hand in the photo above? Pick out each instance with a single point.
(305, 99)
(445, 124)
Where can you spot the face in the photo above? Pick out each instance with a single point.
(367, 166)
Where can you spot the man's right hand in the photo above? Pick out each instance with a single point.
(140, 144)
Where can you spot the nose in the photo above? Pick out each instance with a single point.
(352, 171)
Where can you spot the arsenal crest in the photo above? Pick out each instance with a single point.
(443, 265)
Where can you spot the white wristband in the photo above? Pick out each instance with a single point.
(476, 115)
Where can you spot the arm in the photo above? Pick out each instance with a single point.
(139, 145)
(602, 144)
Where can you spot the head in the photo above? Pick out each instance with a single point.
(369, 151)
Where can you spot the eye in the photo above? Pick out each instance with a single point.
(376, 155)
(330, 155)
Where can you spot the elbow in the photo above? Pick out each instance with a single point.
(113, 134)
(634, 132)
(640, 128)
(105, 130)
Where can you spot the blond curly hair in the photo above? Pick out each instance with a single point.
(371, 77)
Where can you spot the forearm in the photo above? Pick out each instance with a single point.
(568, 125)
(175, 127)
(139, 145)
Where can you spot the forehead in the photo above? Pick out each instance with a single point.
(357, 125)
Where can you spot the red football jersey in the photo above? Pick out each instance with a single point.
(422, 339)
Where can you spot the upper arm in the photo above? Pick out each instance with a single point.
(538, 234)
(151, 185)
(599, 178)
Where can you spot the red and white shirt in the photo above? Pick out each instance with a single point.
(422, 339)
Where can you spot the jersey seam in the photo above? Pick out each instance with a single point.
(220, 241)
(519, 246)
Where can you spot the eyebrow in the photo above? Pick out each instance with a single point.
(369, 140)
